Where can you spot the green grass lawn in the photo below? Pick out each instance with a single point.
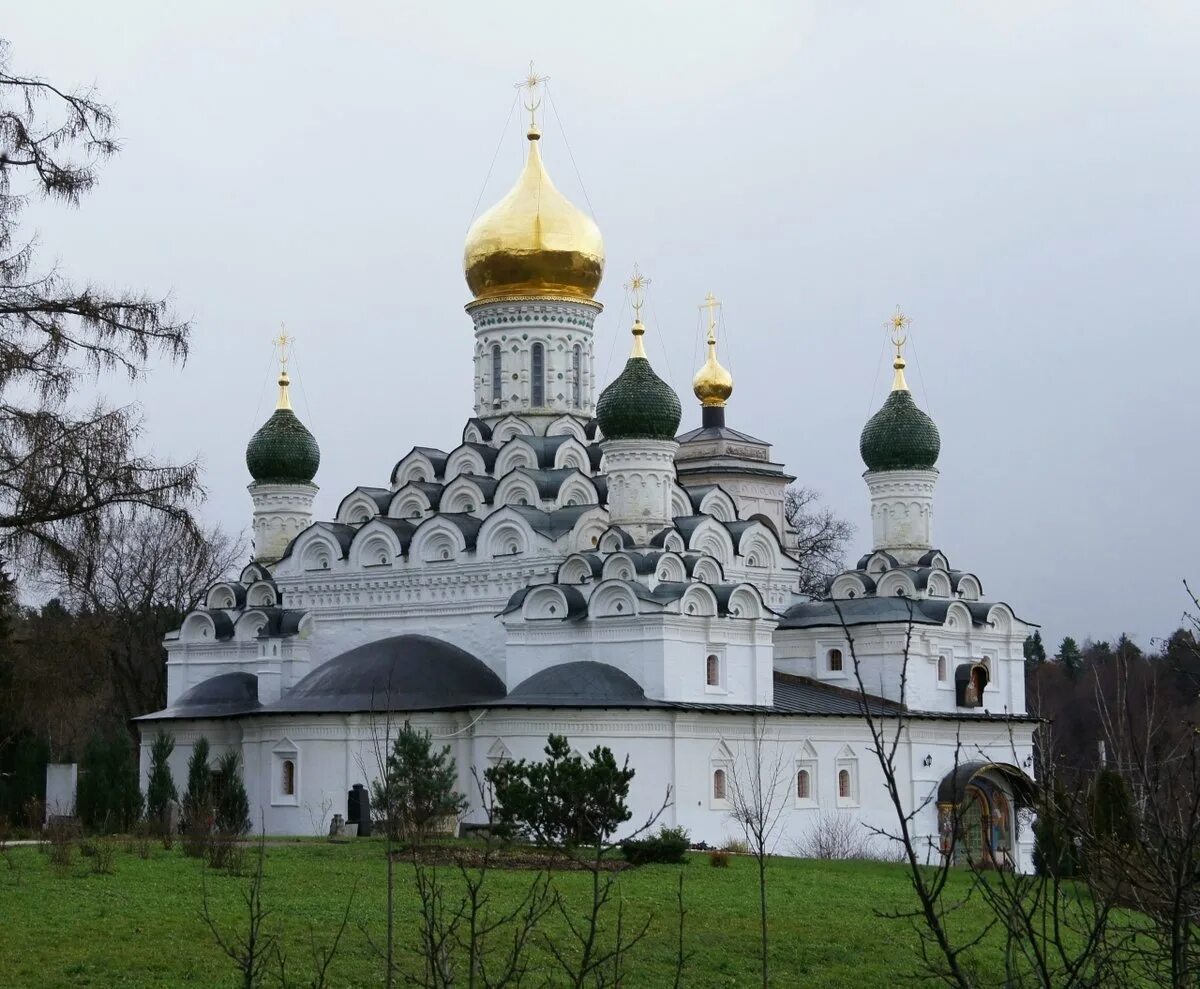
(140, 927)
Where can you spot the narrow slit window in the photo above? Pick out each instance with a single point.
(835, 660)
(577, 376)
(719, 785)
(537, 375)
(496, 374)
(844, 784)
(712, 671)
(288, 783)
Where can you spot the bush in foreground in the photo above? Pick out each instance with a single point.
(669, 847)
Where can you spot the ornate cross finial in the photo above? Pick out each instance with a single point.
(531, 83)
(283, 341)
(899, 324)
(712, 305)
(637, 291)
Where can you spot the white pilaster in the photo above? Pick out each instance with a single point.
(281, 512)
(902, 511)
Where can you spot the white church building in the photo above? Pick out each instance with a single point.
(573, 564)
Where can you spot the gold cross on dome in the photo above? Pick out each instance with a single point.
(283, 341)
(898, 323)
(531, 83)
(712, 305)
(636, 287)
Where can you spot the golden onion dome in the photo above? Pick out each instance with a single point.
(534, 242)
(712, 384)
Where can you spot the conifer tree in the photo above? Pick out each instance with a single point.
(160, 789)
(108, 797)
(197, 799)
(1071, 657)
(232, 804)
(1035, 651)
(417, 790)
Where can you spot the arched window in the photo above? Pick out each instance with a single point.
(844, 784)
(719, 784)
(287, 785)
(537, 375)
(577, 376)
(803, 785)
(941, 669)
(835, 661)
(496, 385)
(712, 671)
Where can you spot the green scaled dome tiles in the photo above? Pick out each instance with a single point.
(899, 436)
(283, 451)
(638, 405)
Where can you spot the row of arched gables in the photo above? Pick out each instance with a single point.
(244, 610)
(880, 574)
(519, 531)
(617, 597)
(475, 493)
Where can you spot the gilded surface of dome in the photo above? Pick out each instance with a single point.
(713, 384)
(534, 242)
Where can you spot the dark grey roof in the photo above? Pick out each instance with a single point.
(218, 697)
(548, 482)
(238, 588)
(576, 603)
(687, 524)
(380, 496)
(595, 453)
(484, 429)
(580, 684)
(544, 447)
(252, 572)
(927, 559)
(486, 485)
(555, 524)
(866, 558)
(697, 494)
(222, 623)
(601, 483)
(341, 532)
(488, 452)
(863, 611)
(436, 457)
(802, 695)
(594, 560)
(280, 621)
(719, 433)
(884, 611)
(402, 673)
(403, 528)
(468, 525)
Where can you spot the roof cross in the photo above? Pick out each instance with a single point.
(531, 83)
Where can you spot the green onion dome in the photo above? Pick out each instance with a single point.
(283, 451)
(899, 436)
(638, 404)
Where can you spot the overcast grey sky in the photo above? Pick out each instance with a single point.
(1019, 176)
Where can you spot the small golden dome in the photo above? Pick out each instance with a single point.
(713, 384)
(534, 242)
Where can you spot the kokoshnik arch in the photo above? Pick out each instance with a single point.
(576, 565)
